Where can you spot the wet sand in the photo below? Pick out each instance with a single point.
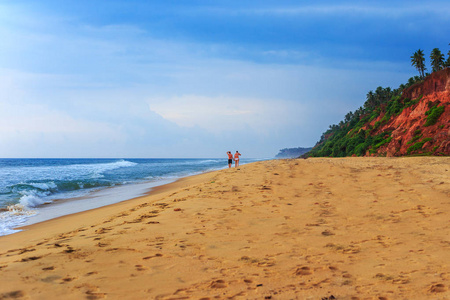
(350, 228)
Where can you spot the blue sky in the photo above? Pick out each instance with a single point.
(197, 78)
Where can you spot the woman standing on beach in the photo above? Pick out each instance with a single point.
(230, 159)
(236, 159)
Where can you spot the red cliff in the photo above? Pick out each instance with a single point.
(411, 133)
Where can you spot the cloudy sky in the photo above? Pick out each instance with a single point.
(145, 78)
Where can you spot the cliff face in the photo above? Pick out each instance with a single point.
(423, 127)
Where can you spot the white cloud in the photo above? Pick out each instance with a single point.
(37, 130)
(34, 118)
(224, 113)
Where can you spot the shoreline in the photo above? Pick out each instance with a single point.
(152, 191)
(117, 207)
(351, 228)
(90, 199)
(67, 206)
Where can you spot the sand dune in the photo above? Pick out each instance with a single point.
(350, 228)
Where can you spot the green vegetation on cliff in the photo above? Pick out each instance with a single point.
(433, 114)
(358, 135)
(353, 135)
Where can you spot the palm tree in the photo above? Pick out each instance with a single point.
(348, 117)
(437, 59)
(370, 101)
(447, 63)
(418, 61)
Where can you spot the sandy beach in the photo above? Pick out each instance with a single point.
(323, 228)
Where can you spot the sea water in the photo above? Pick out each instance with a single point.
(54, 187)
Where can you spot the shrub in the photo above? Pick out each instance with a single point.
(416, 137)
(360, 149)
(374, 114)
(385, 141)
(385, 118)
(433, 115)
(415, 147)
(418, 145)
(394, 107)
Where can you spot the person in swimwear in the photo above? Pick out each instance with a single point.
(230, 159)
(236, 159)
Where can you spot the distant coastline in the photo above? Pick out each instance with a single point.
(292, 152)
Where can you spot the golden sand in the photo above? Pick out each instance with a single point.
(350, 228)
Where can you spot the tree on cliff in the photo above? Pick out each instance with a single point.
(437, 59)
(375, 99)
(418, 61)
(447, 63)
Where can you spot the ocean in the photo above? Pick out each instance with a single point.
(34, 190)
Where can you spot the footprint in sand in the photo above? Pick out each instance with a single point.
(141, 268)
(327, 233)
(382, 276)
(50, 278)
(438, 288)
(94, 295)
(346, 275)
(42, 242)
(265, 262)
(267, 188)
(179, 200)
(141, 218)
(303, 271)
(332, 268)
(153, 222)
(22, 251)
(161, 205)
(218, 284)
(13, 295)
(351, 249)
(156, 255)
(68, 279)
(102, 230)
(69, 250)
(30, 258)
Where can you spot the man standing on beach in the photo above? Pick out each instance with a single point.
(236, 159)
(230, 159)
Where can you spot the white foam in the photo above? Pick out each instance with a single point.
(95, 199)
(98, 169)
(16, 215)
(33, 198)
(62, 172)
(44, 186)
